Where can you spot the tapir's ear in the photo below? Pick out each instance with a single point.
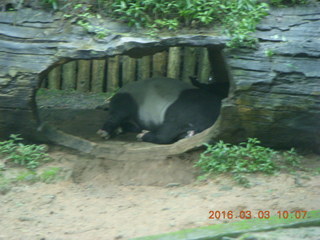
(195, 81)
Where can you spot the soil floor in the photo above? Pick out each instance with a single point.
(99, 200)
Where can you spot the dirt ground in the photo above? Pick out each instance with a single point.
(101, 199)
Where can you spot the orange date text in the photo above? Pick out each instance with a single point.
(246, 214)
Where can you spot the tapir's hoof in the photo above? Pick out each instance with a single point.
(104, 134)
(190, 133)
(118, 131)
(140, 135)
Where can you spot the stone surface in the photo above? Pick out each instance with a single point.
(277, 86)
(275, 93)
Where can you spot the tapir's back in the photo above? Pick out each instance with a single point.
(153, 97)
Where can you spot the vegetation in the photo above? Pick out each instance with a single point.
(14, 153)
(30, 156)
(247, 157)
(49, 175)
(237, 18)
(269, 53)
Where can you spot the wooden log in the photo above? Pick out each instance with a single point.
(204, 68)
(144, 67)
(113, 73)
(69, 75)
(159, 64)
(83, 75)
(128, 70)
(54, 78)
(174, 62)
(189, 63)
(98, 75)
(122, 151)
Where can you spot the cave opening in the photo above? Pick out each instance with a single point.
(72, 96)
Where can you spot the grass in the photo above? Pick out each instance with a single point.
(50, 175)
(238, 19)
(24, 160)
(247, 157)
(30, 156)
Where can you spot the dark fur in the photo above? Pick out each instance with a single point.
(219, 88)
(189, 113)
(127, 119)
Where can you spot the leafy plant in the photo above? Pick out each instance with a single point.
(26, 176)
(240, 19)
(50, 174)
(30, 156)
(47, 176)
(4, 185)
(237, 18)
(292, 158)
(269, 53)
(247, 157)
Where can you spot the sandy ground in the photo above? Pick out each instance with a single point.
(99, 201)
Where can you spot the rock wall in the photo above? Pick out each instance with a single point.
(275, 93)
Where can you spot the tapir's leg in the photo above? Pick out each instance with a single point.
(122, 109)
(130, 126)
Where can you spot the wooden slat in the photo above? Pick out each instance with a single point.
(113, 73)
(128, 70)
(174, 61)
(69, 75)
(98, 75)
(144, 67)
(159, 65)
(204, 69)
(189, 63)
(54, 78)
(83, 75)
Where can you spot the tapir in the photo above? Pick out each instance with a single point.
(164, 110)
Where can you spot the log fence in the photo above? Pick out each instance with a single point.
(113, 72)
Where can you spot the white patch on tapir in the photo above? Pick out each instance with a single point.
(153, 108)
(154, 96)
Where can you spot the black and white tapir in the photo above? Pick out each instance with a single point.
(163, 109)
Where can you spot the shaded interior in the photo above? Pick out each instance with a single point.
(82, 113)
